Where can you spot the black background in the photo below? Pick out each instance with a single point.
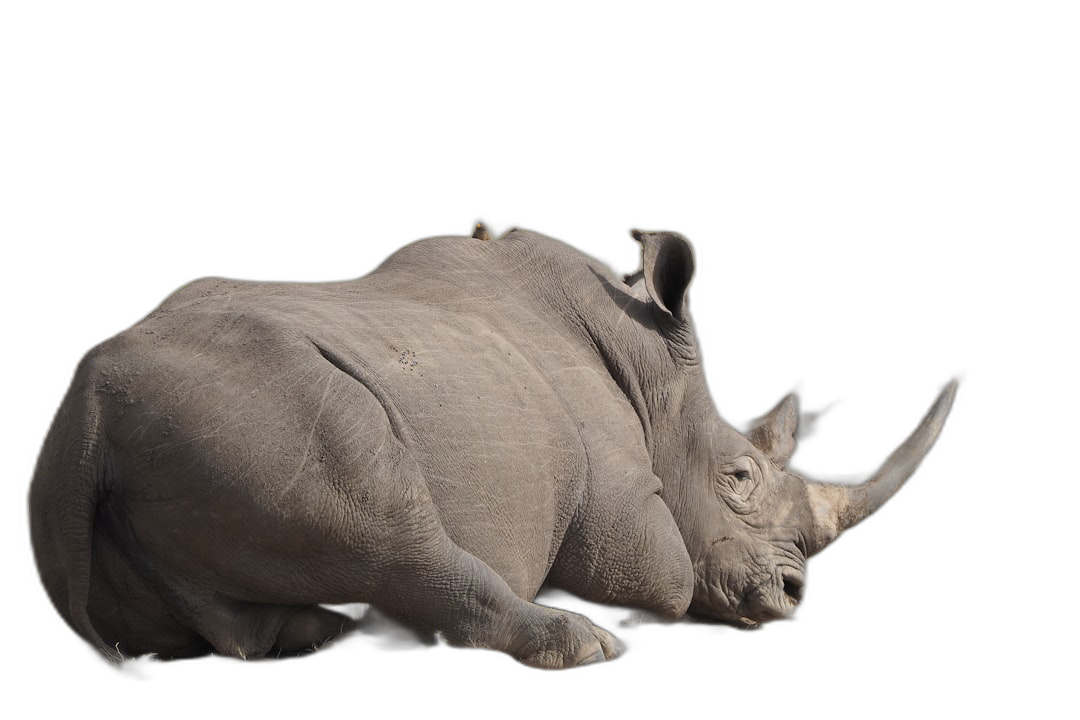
(845, 242)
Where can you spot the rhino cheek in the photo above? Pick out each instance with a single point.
(724, 577)
(714, 601)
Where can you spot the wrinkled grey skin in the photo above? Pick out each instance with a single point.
(439, 438)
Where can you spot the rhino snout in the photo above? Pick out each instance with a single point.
(775, 602)
(795, 584)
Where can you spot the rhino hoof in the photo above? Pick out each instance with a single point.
(568, 640)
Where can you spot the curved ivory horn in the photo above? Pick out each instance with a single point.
(838, 507)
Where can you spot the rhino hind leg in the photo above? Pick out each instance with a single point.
(130, 614)
(322, 627)
(251, 631)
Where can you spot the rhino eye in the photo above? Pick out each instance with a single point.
(743, 483)
(737, 485)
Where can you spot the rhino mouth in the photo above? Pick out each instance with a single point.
(750, 610)
(740, 623)
(751, 613)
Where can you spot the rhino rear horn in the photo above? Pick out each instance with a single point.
(774, 434)
(667, 261)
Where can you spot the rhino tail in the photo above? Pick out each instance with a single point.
(70, 480)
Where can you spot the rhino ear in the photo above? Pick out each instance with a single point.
(774, 434)
(667, 261)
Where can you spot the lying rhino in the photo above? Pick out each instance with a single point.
(472, 420)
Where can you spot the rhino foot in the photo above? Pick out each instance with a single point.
(563, 639)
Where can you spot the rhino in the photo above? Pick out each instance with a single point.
(474, 419)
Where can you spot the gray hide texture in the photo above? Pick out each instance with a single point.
(475, 418)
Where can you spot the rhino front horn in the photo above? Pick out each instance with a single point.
(838, 507)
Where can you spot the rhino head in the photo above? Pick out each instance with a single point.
(748, 521)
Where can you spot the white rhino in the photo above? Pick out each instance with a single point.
(440, 438)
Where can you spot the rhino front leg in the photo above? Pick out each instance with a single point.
(452, 592)
(624, 548)
(560, 639)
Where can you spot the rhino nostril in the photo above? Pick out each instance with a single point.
(793, 588)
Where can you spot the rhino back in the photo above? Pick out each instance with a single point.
(492, 397)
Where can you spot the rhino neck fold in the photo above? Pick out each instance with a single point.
(647, 355)
(627, 380)
(652, 364)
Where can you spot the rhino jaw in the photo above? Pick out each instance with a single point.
(746, 580)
